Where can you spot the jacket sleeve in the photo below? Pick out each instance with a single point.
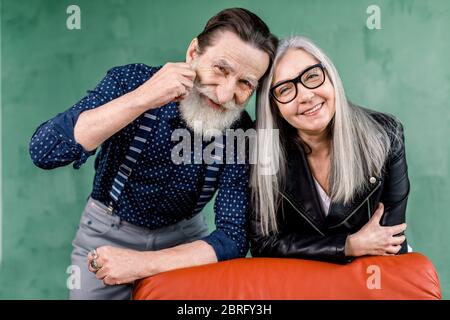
(396, 185)
(287, 244)
(53, 143)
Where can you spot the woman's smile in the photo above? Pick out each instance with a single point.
(313, 111)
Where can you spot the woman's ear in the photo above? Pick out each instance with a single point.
(192, 51)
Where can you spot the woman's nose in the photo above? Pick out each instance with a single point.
(303, 94)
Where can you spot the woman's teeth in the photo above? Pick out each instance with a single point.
(311, 111)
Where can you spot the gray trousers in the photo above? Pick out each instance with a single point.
(98, 227)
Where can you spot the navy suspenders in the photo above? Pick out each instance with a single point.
(211, 174)
(137, 145)
(134, 151)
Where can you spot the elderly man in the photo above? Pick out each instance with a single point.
(143, 215)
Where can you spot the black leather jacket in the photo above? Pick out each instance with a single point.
(305, 231)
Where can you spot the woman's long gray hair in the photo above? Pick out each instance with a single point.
(359, 145)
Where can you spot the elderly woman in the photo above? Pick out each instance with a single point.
(332, 183)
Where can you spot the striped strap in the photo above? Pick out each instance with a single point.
(134, 151)
(212, 172)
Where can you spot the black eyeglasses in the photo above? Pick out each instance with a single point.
(311, 78)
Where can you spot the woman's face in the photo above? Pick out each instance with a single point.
(312, 109)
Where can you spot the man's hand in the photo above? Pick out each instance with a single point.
(374, 239)
(171, 83)
(117, 265)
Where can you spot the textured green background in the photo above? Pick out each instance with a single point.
(402, 69)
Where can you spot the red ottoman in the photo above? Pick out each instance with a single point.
(407, 276)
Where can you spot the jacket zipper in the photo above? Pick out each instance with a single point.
(304, 217)
(354, 211)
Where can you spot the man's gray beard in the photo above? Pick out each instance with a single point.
(203, 119)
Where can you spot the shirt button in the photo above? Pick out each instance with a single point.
(372, 180)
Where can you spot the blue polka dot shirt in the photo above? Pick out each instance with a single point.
(159, 192)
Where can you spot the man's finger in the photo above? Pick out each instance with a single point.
(186, 70)
(107, 281)
(101, 274)
(188, 83)
(92, 254)
(90, 267)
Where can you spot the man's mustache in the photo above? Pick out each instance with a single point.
(201, 89)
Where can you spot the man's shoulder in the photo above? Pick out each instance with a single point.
(132, 75)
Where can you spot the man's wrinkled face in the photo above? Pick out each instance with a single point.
(228, 72)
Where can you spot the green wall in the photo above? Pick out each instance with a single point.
(45, 68)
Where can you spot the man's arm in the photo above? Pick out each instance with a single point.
(115, 102)
(228, 241)
(95, 126)
(120, 266)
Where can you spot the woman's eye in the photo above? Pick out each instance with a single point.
(311, 76)
(283, 90)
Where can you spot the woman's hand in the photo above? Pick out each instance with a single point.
(117, 265)
(374, 239)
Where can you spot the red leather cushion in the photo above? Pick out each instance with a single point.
(408, 276)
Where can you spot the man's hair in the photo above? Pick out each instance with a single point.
(245, 24)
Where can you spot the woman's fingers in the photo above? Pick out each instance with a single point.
(398, 240)
(393, 249)
(396, 229)
(376, 218)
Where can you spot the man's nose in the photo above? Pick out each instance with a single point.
(225, 92)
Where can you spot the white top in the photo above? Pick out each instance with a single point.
(324, 198)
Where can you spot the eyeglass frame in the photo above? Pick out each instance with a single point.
(297, 80)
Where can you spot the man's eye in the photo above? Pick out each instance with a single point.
(221, 69)
(247, 84)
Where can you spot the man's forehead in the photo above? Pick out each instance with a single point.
(241, 56)
(241, 63)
